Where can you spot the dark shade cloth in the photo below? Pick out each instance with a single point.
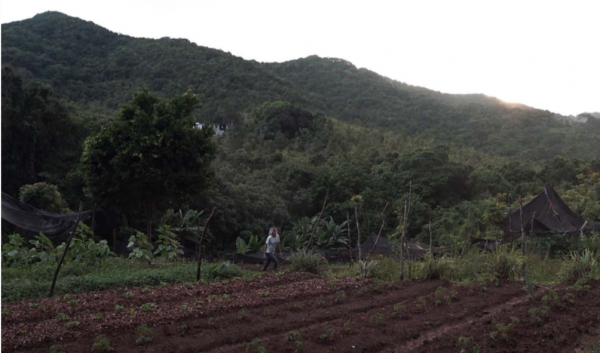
(29, 218)
(546, 212)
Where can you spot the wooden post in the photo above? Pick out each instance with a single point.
(404, 228)
(430, 239)
(199, 271)
(349, 234)
(522, 230)
(358, 231)
(318, 221)
(62, 259)
(380, 229)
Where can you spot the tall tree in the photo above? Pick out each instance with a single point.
(151, 157)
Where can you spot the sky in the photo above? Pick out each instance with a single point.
(545, 54)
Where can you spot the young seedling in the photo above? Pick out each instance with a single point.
(255, 347)
(378, 318)
(421, 302)
(329, 335)
(62, 317)
(264, 294)
(184, 307)
(538, 315)
(212, 297)
(146, 335)
(211, 321)
(98, 317)
(132, 313)
(148, 307)
(293, 336)
(266, 313)
(57, 348)
(225, 297)
(128, 295)
(36, 306)
(551, 298)
(504, 329)
(321, 302)
(198, 302)
(580, 285)
(332, 282)
(297, 307)
(569, 297)
(348, 327)
(242, 314)
(73, 324)
(363, 290)
(73, 302)
(466, 342)
(146, 290)
(340, 296)
(102, 344)
(183, 329)
(119, 307)
(6, 311)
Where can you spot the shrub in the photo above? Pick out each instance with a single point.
(307, 261)
(504, 264)
(367, 269)
(43, 196)
(102, 344)
(579, 265)
(219, 271)
(434, 267)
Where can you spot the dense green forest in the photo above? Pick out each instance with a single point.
(302, 130)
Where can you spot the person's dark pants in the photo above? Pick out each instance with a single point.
(271, 258)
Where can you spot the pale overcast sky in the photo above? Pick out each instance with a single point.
(545, 54)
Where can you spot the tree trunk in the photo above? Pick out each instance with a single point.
(430, 239)
(522, 227)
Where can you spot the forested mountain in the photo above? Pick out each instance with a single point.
(303, 129)
(99, 70)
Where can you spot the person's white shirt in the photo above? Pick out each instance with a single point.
(271, 243)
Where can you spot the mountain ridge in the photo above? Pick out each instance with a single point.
(99, 70)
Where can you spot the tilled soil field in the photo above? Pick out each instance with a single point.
(292, 312)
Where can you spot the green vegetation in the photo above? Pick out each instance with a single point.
(307, 261)
(102, 344)
(145, 335)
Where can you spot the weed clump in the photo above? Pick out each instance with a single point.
(307, 261)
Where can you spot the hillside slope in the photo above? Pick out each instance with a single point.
(99, 70)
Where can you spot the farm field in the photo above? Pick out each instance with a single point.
(298, 312)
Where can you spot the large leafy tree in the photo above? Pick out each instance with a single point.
(150, 158)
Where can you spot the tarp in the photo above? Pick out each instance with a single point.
(31, 219)
(547, 211)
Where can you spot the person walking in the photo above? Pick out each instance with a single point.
(271, 244)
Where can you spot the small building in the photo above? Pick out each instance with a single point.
(218, 128)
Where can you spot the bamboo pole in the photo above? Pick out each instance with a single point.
(430, 239)
(522, 229)
(349, 234)
(316, 226)
(199, 271)
(358, 231)
(404, 228)
(62, 258)
(380, 229)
